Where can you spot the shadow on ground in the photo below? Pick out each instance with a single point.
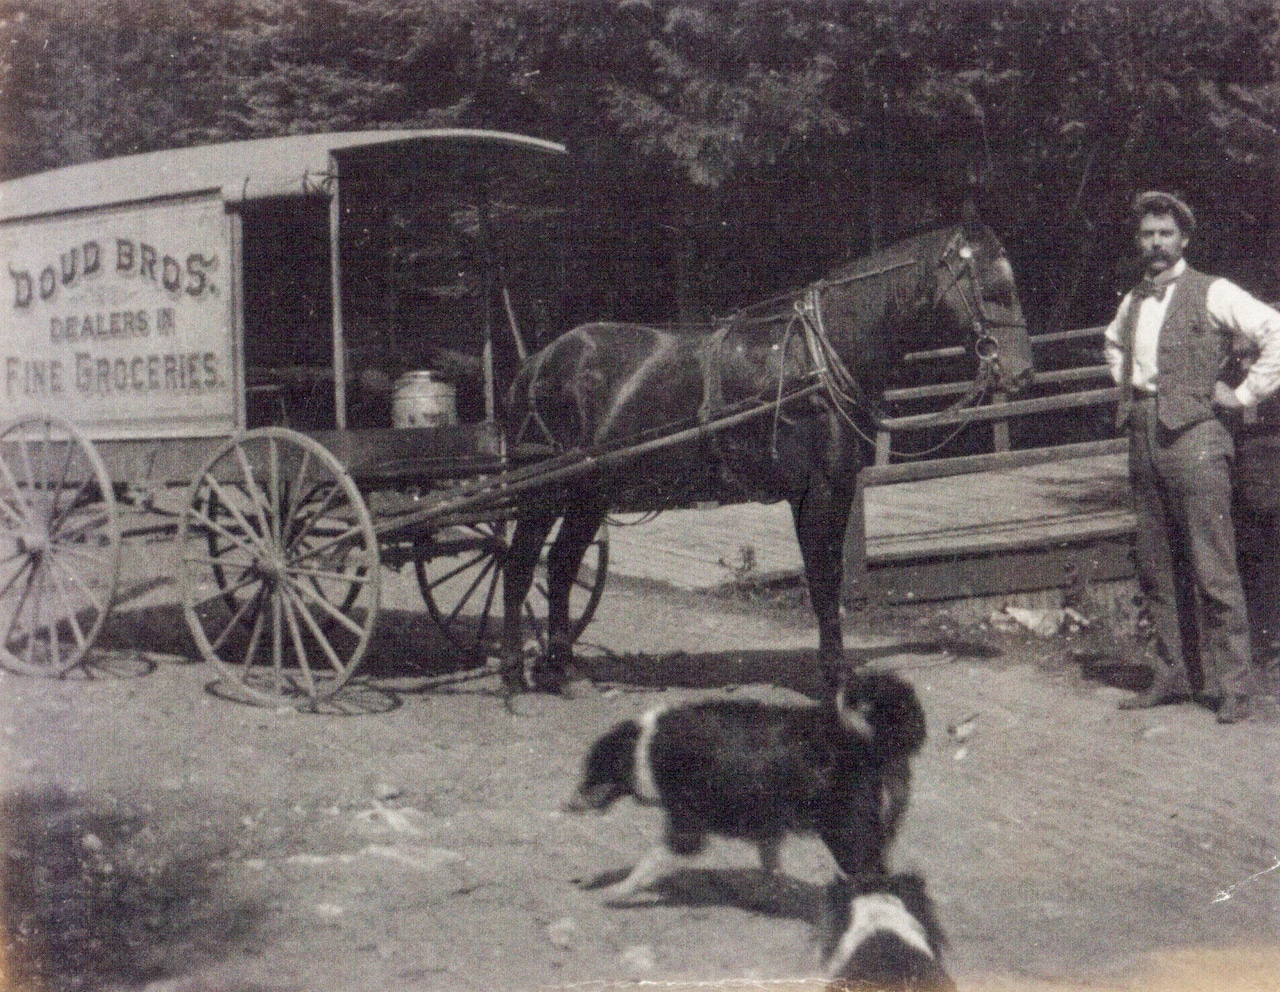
(797, 670)
(1117, 674)
(749, 889)
(98, 896)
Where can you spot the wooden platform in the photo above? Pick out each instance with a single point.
(966, 535)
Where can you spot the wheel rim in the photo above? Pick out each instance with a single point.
(459, 578)
(59, 546)
(459, 575)
(279, 566)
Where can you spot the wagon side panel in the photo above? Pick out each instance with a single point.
(122, 319)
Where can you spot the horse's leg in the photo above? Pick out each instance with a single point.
(821, 515)
(563, 562)
(517, 576)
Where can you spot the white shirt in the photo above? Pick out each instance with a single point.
(1230, 308)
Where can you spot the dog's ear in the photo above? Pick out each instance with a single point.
(883, 709)
(910, 888)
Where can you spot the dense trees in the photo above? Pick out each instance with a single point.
(723, 147)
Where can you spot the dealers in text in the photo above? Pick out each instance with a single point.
(113, 325)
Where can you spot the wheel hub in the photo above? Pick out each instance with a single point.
(33, 542)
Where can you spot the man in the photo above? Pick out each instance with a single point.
(1166, 346)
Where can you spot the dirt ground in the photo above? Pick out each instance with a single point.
(157, 836)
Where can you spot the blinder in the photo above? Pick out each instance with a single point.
(985, 316)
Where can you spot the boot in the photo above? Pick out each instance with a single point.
(1168, 686)
(1234, 708)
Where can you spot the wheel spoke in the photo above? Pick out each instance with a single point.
(329, 608)
(26, 463)
(314, 573)
(59, 529)
(88, 593)
(217, 528)
(12, 483)
(22, 600)
(287, 606)
(277, 638)
(222, 561)
(26, 563)
(258, 497)
(229, 591)
(273, 489)
(465, 598)
(480, 556)
(235, 512)
(62, 481)
(12, 514)
(75, 551)
(82, 642)
(334, 661)
(259, 617)
(298, 487)
(313, 517)
(55, 649)
(320, 549)
(484, 613)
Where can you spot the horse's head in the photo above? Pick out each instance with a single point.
(976, 287)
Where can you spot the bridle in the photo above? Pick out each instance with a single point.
(985, 345)
(842, 387)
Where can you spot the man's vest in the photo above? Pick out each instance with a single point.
(1190, 354)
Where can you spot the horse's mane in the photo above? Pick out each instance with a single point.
(890, 271)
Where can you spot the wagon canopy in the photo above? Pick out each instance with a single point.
(296, 165)
(332, 263)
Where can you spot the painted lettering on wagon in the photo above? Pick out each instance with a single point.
(133, 259)
(96, 376)
(115, 325)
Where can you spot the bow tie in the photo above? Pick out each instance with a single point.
(1151, 288)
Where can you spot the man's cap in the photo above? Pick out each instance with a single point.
(1154, 200)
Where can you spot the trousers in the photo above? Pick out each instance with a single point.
(1257, 514)
(1181, 483)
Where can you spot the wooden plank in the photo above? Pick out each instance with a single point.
(1004, 572)
(967, 464)
(1015, 408)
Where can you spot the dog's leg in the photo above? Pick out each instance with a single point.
(859, 851)
(770, 850)
(647, 871)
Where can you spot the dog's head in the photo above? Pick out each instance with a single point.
(883, 709)
(883, 933)
(608, 773)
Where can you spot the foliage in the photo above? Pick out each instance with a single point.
(727, 147)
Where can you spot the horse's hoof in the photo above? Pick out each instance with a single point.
(549, 680)
(560, 680)
(514, 680)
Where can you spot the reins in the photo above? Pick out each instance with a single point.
(842, 387)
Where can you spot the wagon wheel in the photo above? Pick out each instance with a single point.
(279, 566)
(59, 546)
(460, 577)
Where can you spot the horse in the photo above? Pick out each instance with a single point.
(772, 402)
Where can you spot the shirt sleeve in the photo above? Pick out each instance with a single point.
(1111, 343)
(1232, 308)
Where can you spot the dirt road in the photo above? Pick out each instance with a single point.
(157, 836)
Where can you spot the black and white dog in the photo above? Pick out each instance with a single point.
(883, 935)
(754, 771)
